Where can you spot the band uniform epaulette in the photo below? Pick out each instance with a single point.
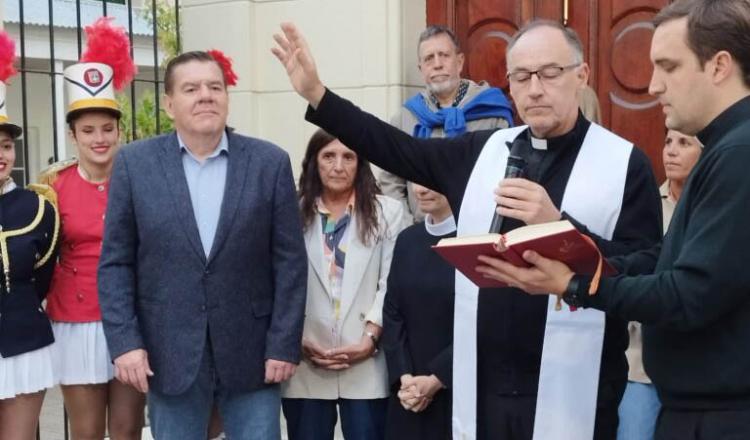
(48, 176)
(46, 192)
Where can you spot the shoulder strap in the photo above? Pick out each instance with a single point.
(48, 175)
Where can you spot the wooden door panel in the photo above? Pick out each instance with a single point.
(616, 36)
(485, 27)
(624, 72)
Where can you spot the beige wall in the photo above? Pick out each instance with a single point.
(365, 50)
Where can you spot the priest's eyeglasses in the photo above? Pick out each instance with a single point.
(544, 73)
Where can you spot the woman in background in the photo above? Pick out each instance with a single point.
(28, 235)
(350, 230)
(93, 398)
(418, 326)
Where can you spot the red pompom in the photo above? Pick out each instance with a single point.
(230, 78)
(110, 45)
(7, 57)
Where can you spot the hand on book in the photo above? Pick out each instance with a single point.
(525, 200)
(545, 276)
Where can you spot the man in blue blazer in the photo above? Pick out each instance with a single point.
(203, 268)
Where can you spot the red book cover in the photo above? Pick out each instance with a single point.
(556, 240)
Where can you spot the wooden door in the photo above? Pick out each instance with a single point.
(616, 35)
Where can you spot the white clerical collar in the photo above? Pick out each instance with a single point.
(538, 144)
(445, 227)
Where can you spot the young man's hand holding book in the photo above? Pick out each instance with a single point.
(545, 276)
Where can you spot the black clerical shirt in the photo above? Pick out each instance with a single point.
(694, 296)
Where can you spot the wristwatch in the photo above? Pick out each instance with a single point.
(572, 295)
(374, 339)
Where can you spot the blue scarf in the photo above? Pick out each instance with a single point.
(490, 103)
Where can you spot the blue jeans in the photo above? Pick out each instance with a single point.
(639, 410)
(315, 419)
(250, 415)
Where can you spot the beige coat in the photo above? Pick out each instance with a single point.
(363, 289)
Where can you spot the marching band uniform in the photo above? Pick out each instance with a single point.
(28, 235)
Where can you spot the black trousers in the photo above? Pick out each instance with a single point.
(703, 425)
(502, 417)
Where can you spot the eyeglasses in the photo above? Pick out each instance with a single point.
(545, 73)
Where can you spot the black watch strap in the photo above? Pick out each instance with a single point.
(574, 295)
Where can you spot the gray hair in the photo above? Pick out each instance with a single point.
(435, 30)
(570, 37)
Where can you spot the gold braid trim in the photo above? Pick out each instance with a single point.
(48, 193)
(6, 261)
(51, 196)
(49, 175)
(5, 235)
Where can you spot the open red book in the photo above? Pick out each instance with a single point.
(556, 240)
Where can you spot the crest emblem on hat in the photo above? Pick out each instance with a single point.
(93, 77)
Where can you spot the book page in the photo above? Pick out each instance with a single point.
(532, 232)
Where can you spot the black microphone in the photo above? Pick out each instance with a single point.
(516, 167)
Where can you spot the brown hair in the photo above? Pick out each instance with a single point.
(713, 26)
(365, 189)
(435, 30)
(75, 115)
(184, 58)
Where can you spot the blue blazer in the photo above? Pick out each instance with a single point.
(157, 289)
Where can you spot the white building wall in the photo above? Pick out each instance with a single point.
(364, 49)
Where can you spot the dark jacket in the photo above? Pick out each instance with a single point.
(418, 332)
(24, 326)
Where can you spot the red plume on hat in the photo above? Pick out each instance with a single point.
(230, 78)
(110, 45)
(7, 57)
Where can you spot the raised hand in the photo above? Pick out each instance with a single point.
(294, 54)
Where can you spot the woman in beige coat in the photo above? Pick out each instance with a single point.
(350, 231)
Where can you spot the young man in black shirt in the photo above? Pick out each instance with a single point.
(692, 293)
